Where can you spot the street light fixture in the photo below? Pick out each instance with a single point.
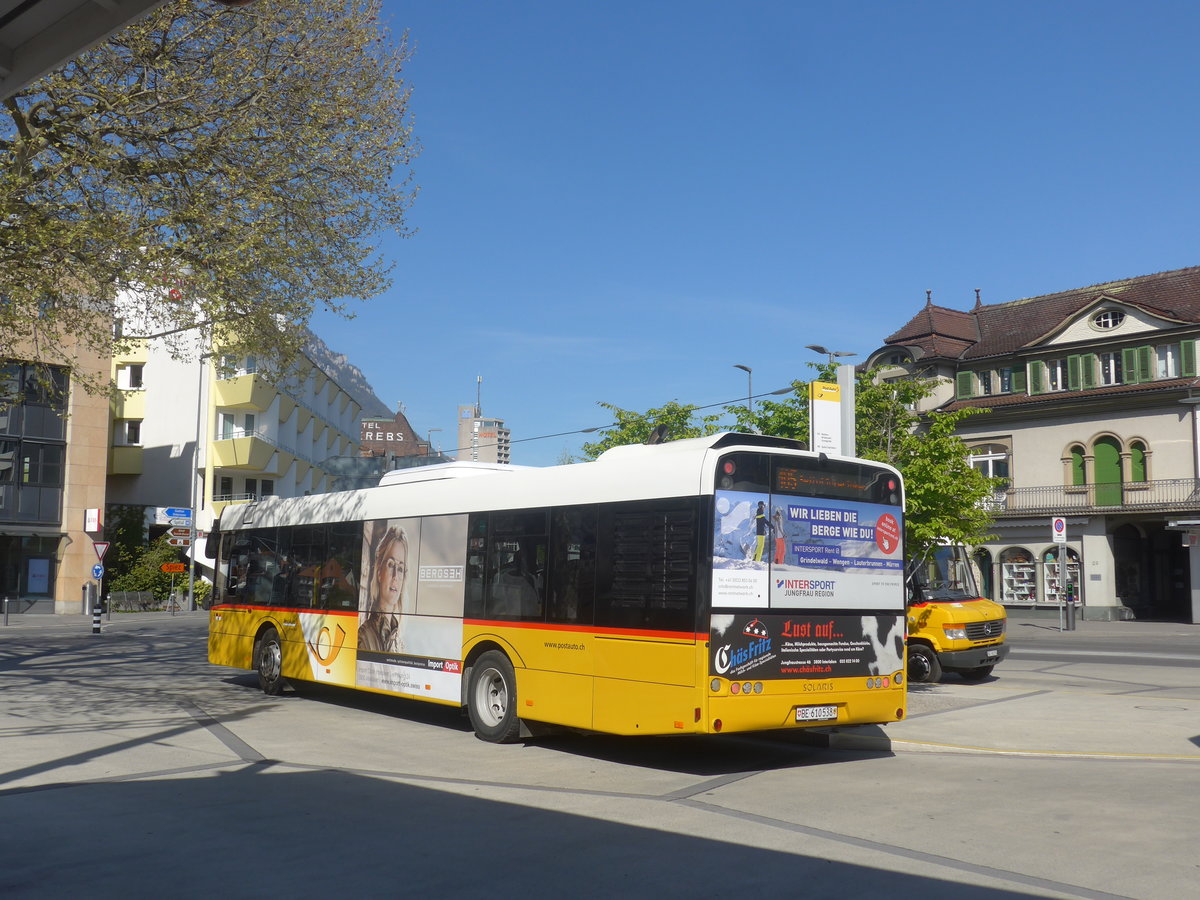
(749, 387)
(831, 353)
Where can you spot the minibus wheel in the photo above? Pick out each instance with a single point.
(492, 698)
(268, 661)
(923, 665)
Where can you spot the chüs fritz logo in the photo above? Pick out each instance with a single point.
(728, 658)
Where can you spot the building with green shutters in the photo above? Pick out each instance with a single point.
(1091, 400)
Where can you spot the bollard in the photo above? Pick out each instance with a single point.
(1070, 607)
(94, 591)
(6, 610)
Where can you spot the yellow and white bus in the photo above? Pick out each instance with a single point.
(721, 584)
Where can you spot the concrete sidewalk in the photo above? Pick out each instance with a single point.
(1110, 690)
(1126, 690)
(25, 623)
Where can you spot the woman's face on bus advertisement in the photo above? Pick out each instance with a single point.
(389, 579)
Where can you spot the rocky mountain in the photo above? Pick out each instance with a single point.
(348, 375)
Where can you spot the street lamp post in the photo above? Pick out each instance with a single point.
(833, 354)
(196, 496)
(749, 387)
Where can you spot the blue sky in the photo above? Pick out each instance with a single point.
(620, 201)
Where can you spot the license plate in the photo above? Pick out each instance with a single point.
(815, 713)
(992, 653)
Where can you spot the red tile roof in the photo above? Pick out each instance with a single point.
(1002, 328)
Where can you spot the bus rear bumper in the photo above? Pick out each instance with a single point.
(804, 711)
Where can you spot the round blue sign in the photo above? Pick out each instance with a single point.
(97, 571)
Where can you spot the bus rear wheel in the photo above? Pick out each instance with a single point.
(923, 665)
(268, 662)
(492, 699)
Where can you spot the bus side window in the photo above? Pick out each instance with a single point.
(477, 532)
(304, 564)
(649, 576)
(261, 567)
(516, 563)
(339, 575)
(572, 586)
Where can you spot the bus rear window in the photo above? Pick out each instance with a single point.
(832, 479)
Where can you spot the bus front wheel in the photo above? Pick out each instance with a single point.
(492, 698)
(268, 662)
(923, 665)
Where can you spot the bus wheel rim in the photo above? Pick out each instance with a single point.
(492, 696)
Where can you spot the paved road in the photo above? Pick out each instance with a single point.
(128, 765)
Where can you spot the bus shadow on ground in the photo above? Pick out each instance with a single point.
(699, 755)
(264, 830)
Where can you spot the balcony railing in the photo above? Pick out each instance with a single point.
(1138, 496)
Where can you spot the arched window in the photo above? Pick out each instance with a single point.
(1107, 453)
(1137, 461)
(1018, 580)
(1060, 573)
(1078, 469)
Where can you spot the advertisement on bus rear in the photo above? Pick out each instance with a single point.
(757, 647)
(789, 552)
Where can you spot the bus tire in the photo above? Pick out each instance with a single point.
(923, 665)
(268, 662)
(492, 699)
(976, 674)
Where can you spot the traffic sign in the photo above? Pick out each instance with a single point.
(172, 515)
(173, 568)
(179, 532)
(179, 522)
(1058, 530)
(179, 542)
(97, 571)
(101, 547)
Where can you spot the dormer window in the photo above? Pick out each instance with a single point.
(1108, 319)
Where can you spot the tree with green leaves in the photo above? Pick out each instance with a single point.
(945, 494)
(673, 420)
(225, 166)
(144, 572)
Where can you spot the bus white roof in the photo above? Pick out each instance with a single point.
(681, 468)
(443, 471)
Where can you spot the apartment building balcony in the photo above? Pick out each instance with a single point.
(125, 460)
(240, 450)
(245, 392)
(130, 404)
(1159, 496)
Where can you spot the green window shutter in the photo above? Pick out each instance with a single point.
(1145, 362)
(1074, 372)
(1129, 366)
(965, 382)
(1088, 363)
(1037, 377)
(1018, 381)
(1187, 353)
